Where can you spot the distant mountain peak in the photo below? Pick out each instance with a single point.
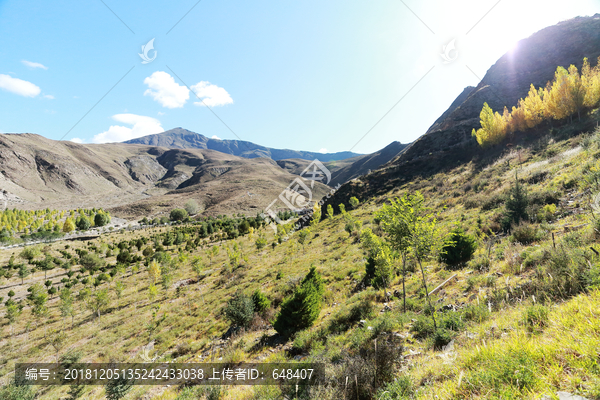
(180, 138)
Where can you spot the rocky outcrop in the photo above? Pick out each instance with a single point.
(145, 169)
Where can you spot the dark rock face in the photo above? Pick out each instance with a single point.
(180, 138)
(533, 61)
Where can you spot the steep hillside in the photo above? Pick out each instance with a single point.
(448, 142)
(134, 180)
(180, 138)
(361, 165)
(516, 319)
(344, 170)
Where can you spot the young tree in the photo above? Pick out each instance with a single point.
(57, 340)
(191, 207)
(533, 107)
(98, 302)
(68, 226)
(517, 202)
(260, 242)
(152, 292)
(154, 272)
(424, 236)
(303, 235)
(354, 202)
(13, 312)
(239, 310)
(29, 253)
(23, 272)
(66, 305)
(316, 215)
(300, 310)
(342, 208)
(178, 214)
(378, 270)
(197, 266)
(591, 81)
(119, 288)
(493, 127)
(396, 227)
(83, 223)
(101, 219)
(212, 253)
(261, 301)
(329, 211)
(37, 299)
(118, 388)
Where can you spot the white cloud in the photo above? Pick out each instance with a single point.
(141, 126)
(76, 140)
(33, 64)
(18, 86)
(164, 89)
(49, 96)
(216, 137)
(161, 113)
(323, 151)
(211, 95)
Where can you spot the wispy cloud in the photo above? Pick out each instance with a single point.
(31, 64)
(164, 89)
(49, 96)
(141, 126)
(18, 86)
(211, 95)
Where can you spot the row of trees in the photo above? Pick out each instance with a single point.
(568, 94)
(29, 222)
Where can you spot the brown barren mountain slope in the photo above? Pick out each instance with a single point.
(134, 180)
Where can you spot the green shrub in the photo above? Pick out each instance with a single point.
(239, 310)
(422, 327)
(480, 263)
(178, 214)
(535, 317)
(442, 337)
(401, 388)
(526, 233)
(261, 301)
(536, 257)
(476, 313)
(101, 219)
(460, 249)
(452, 321)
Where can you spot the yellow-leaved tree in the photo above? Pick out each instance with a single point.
(590, 78)
(533, 107)
(493, 127)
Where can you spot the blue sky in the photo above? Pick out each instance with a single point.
(308, 75)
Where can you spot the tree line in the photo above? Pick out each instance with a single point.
(570, 93)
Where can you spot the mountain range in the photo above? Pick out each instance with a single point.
(151, 174)
(180, 138)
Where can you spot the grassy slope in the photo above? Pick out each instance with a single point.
(496, 358)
